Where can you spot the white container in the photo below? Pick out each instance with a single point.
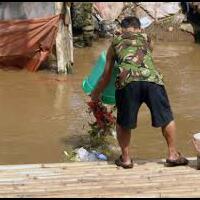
(196, 141)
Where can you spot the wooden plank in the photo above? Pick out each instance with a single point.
(53, 165)
(97, 180)
(96, 176)
(34, 185)
(78, 187)
(103, 192)
(157, 162)
(93, 177)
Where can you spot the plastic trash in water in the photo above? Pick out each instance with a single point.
(84, 155)
(81, 154)
(91, 157)
(100, 156)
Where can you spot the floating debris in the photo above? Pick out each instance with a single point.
(102, 136)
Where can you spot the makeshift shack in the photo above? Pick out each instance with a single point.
(35, 33)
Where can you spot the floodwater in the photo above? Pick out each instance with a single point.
(41, 113)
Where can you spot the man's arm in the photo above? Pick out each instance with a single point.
(110, 61)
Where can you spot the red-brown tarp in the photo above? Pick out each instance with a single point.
(27, 43)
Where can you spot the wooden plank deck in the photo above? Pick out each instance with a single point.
(99, 179)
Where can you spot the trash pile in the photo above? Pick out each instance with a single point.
(106, 14)
(83, 155)
(101, 143)
(157, 18)
(168, 16)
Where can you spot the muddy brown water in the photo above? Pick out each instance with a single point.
(41, 113)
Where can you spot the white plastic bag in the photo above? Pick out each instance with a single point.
(84, 155)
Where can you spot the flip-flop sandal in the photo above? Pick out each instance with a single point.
(120, 163)
(178, 162)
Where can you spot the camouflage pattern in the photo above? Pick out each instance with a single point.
(82, 19)
(134, 59)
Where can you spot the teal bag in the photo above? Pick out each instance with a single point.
(90, 82)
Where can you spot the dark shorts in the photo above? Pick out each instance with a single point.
(130, 98)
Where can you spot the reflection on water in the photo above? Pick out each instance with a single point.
(41, 112)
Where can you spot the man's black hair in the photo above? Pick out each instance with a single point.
(128, 22)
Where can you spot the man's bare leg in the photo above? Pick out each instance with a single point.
(124, 137)
(169, 132)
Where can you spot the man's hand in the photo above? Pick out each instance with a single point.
(94, 96)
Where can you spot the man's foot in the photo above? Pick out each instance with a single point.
(181, 160)
(126, 165)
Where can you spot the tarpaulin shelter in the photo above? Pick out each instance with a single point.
(30, 30)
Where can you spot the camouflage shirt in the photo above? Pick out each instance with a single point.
(134, 59)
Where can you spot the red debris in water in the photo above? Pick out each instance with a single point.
(104, 119)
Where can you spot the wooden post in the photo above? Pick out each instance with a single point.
(68, 22)
(64, 40)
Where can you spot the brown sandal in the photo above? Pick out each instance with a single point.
(181, 160)
(119, 162)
